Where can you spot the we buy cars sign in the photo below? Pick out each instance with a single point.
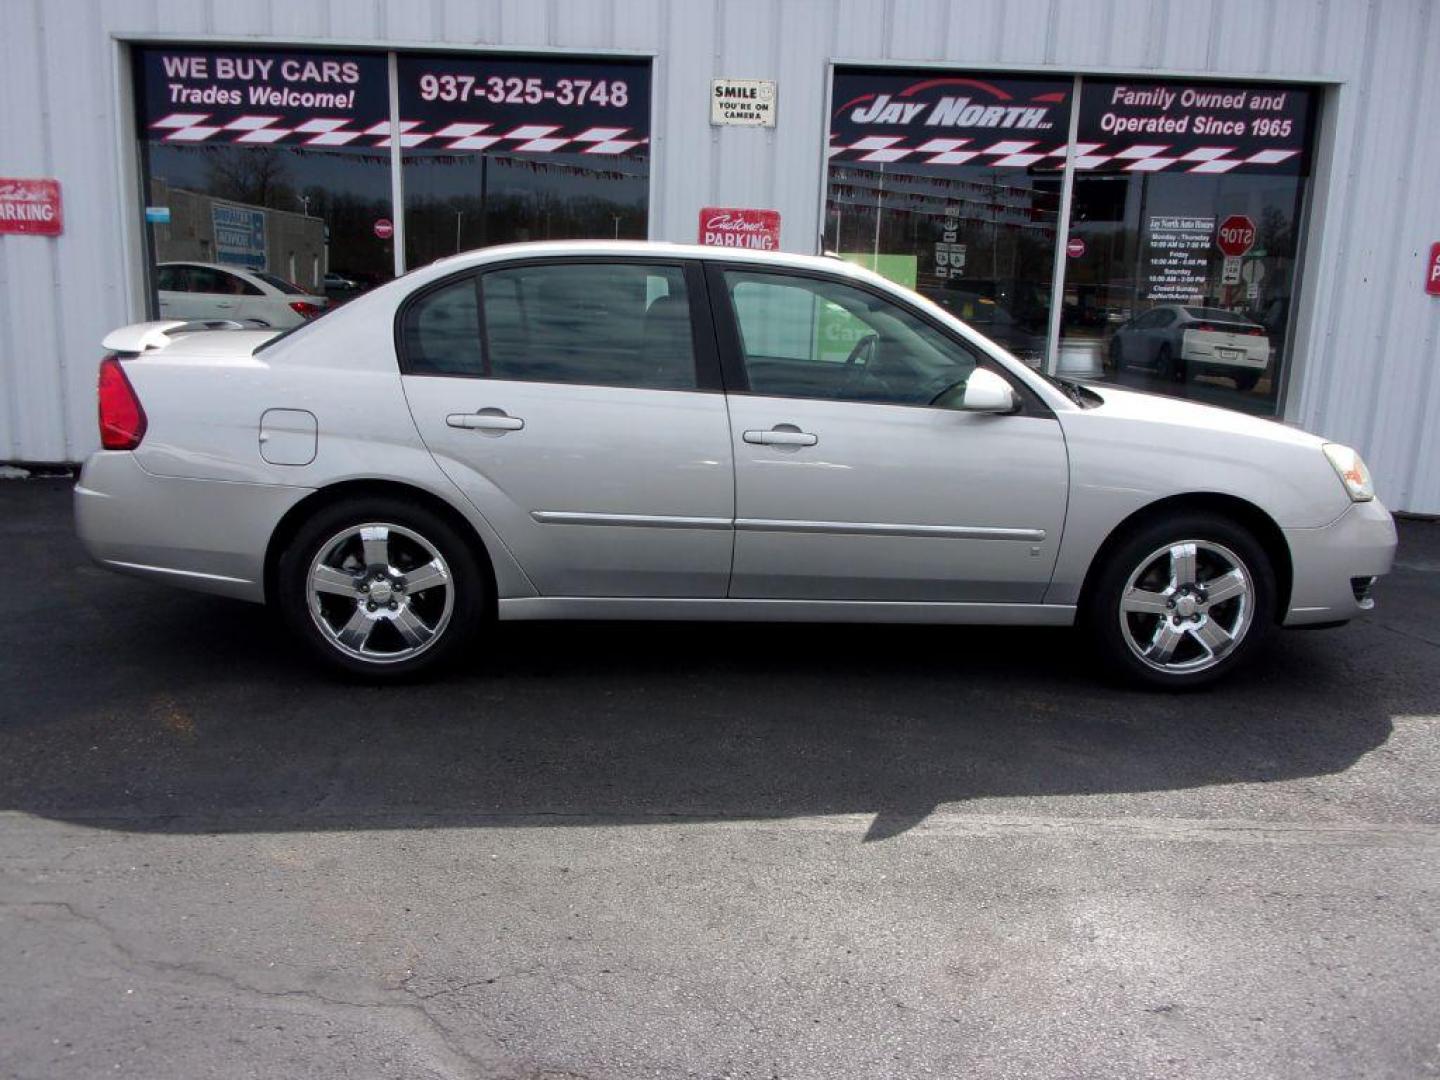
(1236, 235)
(728, 226)
(30, 206)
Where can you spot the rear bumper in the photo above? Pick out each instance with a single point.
(207, 535)
(1360, 544)
(1247, 357)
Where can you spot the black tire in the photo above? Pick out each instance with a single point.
(1101, 615)
(468, 585)
(1245, 381)
(1167, 367)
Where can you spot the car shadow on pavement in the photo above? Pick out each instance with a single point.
(131, 706)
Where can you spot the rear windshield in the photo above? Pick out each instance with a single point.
(279, 283)
(1210, 314)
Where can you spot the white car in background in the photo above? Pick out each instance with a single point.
(1183, 340)
(206, 291)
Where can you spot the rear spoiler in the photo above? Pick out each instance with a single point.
(148, 336)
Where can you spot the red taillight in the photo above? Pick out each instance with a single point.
(122, 419)
(1256, 331)
(305, 309)
(1204, 328)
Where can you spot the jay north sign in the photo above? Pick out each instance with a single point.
(925, 119)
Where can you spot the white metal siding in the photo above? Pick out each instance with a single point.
(1369, 338)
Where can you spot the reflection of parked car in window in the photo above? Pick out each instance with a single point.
(193, 290)
(339, 283)
(1179, 341)
(995, 321)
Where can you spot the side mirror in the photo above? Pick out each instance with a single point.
(987, 392)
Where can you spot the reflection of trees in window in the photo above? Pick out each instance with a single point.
(460, 202)
(440, 227)
(355, 251)
(259, 176)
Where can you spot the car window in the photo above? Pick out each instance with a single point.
(806, 337)
(238, 286)
(286, 287)
(173, 278)
(207, 279)
(441, 331)
(1163, 317)
(590, 323)
(1210, 314)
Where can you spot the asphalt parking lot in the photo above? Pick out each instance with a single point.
(730, 851)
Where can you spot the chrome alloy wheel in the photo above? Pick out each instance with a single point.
(1187, 606)
(380, 593)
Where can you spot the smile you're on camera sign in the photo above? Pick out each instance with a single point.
(742, 102)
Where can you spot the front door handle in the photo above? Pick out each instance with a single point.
(781, 435)
(494, 420)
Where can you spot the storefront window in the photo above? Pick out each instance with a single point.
(1184, 226)
(951, 186)
(504, 150)
(1182, 244)
(267, 191)
(268, 179)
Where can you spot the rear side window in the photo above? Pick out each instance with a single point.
(173, 279)
(286, 287)
(596, 324)
(441, 331)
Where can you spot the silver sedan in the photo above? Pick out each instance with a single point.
(646, 431)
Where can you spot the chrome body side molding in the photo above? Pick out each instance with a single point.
(726, 610)
(875, 528)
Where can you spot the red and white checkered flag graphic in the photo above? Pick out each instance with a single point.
(1021, 154)
(329, 132)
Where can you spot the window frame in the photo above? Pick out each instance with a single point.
(708, 377)
(732, 358)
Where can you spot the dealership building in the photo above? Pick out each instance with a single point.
(1231, 201)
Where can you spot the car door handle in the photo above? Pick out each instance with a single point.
(786, 435)
(224, 303)
(485, 420)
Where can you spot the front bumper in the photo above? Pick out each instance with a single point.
(207, 535)
(1359, 544)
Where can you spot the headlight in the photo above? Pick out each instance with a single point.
(1351, 470)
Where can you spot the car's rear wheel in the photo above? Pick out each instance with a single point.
(1115, 357)
(1182, 601)
(1245, 380)
(381, 587)
(1167, 367)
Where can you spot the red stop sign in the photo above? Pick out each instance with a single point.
(384, 230)
(1237, 235)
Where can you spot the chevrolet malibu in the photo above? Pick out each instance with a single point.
(644, 431)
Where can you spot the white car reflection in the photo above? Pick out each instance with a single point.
(198, 290)
(1180, 341)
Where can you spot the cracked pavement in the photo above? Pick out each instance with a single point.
(690, 851)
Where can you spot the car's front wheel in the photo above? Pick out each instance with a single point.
(381, 587)
(1182, 601)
